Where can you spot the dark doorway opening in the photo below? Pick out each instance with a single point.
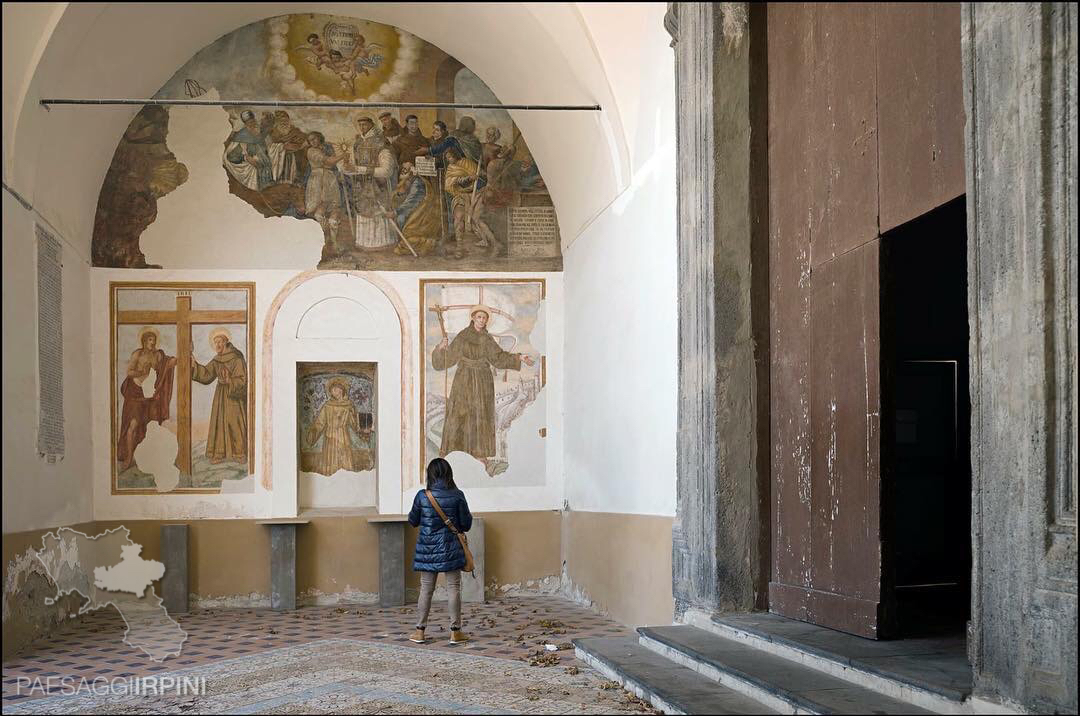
(926, 424)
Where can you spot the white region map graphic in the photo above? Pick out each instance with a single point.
(107, 570)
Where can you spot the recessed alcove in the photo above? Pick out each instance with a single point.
(341, 328)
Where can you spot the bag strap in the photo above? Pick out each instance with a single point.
(442, 515)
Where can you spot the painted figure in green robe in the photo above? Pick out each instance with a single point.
(470, 410)
(228, 434)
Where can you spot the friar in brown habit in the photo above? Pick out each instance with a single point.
(228, 435)
(470, 409)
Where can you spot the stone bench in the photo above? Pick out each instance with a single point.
(394, 563)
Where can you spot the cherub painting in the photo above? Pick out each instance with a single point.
(347, 60)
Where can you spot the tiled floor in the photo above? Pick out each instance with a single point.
(513, 631)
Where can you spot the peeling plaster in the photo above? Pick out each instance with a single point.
(30, 609)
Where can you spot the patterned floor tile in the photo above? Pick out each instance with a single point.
(509, 631)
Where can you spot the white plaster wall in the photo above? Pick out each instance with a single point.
(621, 290)
(397, 487)
(36, 494)
(219, 229)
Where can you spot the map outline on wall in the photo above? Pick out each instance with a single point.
(508, 370)
(182, 380)
(364, 176)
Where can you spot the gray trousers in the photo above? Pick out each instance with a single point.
(427, 588)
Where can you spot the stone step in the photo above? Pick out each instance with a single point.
(930, 672)
(672, 688)
(778, 683)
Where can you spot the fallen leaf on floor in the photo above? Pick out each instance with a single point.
(540, 658)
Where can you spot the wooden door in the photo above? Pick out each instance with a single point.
(829, 468)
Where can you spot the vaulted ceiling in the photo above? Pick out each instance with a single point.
(543, 53)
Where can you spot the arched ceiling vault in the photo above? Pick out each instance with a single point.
(526, 53)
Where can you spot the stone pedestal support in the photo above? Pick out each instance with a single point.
(174, 554)
(472, 585)
(392, 563)
(283, 562)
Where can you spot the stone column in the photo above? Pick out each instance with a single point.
(720, 539)
(1020, 97)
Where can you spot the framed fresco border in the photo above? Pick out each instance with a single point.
(114, 287)
(374, 416)
(423, 342)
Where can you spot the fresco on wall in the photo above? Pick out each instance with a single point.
(183, 389)
(142, 171)
(393, 189)
(336, 417)
(483, 366)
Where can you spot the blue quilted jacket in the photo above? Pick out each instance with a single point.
(437, 548)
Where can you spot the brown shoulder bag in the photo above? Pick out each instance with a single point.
(469, 566)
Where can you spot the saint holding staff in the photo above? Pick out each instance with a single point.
(470, 409)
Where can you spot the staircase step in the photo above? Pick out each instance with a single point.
(672, 688)
(929, 671)
(779, 683)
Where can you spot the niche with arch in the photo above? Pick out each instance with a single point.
(336, 446)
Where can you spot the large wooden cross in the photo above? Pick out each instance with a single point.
(183, 318)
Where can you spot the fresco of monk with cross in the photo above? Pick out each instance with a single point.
(186, 336)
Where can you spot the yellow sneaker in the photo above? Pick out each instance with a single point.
(418, 637)
(458, 637)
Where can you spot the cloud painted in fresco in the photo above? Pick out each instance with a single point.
(278, 67)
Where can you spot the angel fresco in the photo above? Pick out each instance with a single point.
(346, 62)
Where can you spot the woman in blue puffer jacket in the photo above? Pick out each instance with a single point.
(437, 548)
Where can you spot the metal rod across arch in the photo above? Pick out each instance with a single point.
(47, 103)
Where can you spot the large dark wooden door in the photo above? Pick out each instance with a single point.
(863, 135)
